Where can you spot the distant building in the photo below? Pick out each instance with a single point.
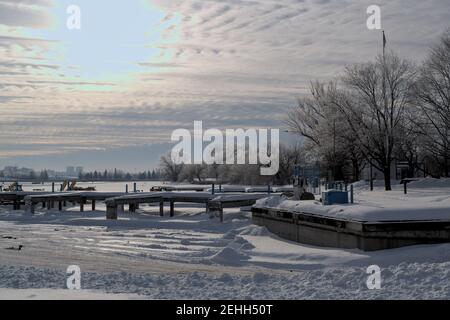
(70, 171)
(78, 170)
(16, 172)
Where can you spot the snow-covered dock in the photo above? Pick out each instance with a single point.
(213, 202)
(49, 199)
(378, 220)
(16, 197)
(116, 200)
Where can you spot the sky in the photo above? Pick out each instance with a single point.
(110, 94)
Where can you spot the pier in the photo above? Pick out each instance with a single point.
(212, 202)
(317, 230)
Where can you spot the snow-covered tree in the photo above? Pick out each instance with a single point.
(433, 93)
(374, 101)
(328, 136)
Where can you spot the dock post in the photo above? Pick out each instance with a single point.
(60, 205)
(134, 187)
(161, 208)
(351, 194)
(126, 188)
(43, 205)
(111, 212)
(221, 213)
(53, 187)
(371, 177)
(93, 205)
(172, 208)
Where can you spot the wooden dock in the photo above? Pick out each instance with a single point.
(16, 198)
(48, 200)
(213, 202)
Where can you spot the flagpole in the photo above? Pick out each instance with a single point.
(384, 92)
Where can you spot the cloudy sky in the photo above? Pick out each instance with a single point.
(110, 95)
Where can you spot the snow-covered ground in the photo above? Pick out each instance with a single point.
(192, 256)
(62, 294)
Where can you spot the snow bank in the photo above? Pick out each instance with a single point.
(403, 281)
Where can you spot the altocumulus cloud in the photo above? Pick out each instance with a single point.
(25, 13)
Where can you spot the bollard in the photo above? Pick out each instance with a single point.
(371, 177)
(161, 208)
(172, 208)
(351, 194)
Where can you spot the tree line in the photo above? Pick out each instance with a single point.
(106, 175)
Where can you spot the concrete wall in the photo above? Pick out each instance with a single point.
(350, 235)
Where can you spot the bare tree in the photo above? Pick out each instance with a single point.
(289, 157)
(193, 173)
(433, 93)
(374, 103)
(170, 170)
(327, 134)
